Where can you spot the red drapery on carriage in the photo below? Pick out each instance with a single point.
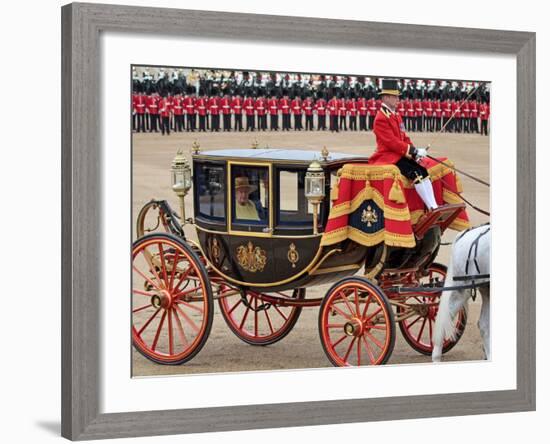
(375, 203)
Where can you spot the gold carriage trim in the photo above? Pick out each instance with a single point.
(369, 239)
(365, 194)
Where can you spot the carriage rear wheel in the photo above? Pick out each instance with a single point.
(258, 322)
(418, 328)
(356, 324)
(172, 303)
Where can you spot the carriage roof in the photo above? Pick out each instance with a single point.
(277, 155)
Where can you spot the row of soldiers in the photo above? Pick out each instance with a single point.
(155, 112)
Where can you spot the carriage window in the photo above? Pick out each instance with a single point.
(250, 194)
(293, 205)
(209, 183)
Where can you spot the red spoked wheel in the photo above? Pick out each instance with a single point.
(257, 319)
(172, 302)
(356, 324)
(417, 329)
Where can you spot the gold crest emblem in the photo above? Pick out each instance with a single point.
(251, 258)
(369, 216)
(293, 255)
(215, 250)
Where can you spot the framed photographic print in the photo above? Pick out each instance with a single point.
(265, 216)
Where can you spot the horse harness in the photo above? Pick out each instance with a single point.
(473, 251)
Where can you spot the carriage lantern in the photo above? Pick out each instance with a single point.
(315, 189)
(181, 180)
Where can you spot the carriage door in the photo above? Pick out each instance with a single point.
(251, 222)
(250, 199)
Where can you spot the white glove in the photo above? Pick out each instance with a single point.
(421, 152)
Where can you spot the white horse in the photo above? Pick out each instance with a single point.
(470, 256)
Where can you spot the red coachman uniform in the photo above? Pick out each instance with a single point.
(391, 141)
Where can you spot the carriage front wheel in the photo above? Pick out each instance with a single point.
(172, 303)
(356, 324)
(420, 312)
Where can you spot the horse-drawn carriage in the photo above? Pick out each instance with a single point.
(269, 226)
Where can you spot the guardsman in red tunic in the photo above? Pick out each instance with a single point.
(153, 110)
(201, 105)
(419, 115)
(484, 113)
(165, 109)
(474, 114)
(447, 112)
(321, 109)
(189, 105)
(296, 106)
(429, 112)
(465, 114)
(308, 107)
(454, 114)
(134, 111)
(273, 107)
(177, 106)
(438, 112)
(333, 106)
(402, 110)
(351, 105)
(261, 110)
(371, 103)
(214, 111)
(362, 110)
(342, 113)
(411, 116)
(225, 106)
(248, 105)
(237, 109)
(284, 106)
(140, 104)
(393, 146)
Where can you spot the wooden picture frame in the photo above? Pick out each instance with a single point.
(81, 214)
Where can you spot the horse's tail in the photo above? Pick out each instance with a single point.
(445, 325)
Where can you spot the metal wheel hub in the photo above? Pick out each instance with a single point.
(162, 300)
(354, 327)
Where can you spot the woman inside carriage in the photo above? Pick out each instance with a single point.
(393, 145)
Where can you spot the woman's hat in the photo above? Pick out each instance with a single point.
(390, 87)
(242, 182)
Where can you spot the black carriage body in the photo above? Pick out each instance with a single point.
(278, 251)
